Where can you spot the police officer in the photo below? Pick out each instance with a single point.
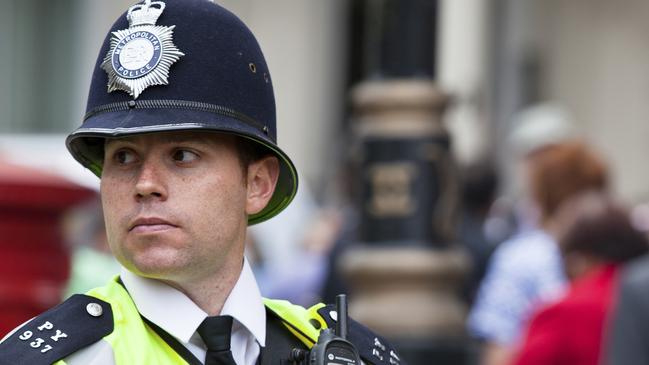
(180, 128)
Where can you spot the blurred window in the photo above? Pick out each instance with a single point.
(39, 65)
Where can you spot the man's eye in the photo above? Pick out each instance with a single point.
(124, 157)
(184, 156)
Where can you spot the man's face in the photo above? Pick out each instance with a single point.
(174, 203)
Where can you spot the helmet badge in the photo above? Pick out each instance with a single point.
(141, 55)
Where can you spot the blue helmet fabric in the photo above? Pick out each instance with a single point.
(220, 84)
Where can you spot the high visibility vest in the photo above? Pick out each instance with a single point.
(134, 342)
(107, 320)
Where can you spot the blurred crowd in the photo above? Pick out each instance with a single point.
(549, 292)
(557, 269)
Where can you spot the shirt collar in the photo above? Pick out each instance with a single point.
(244, 304)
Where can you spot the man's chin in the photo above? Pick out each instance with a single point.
(153, 268)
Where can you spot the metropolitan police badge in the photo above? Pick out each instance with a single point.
(141, 55)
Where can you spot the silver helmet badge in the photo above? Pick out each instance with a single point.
(141, 55)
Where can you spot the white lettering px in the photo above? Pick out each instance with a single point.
(58, 335)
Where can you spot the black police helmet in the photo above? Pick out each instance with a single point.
(179, 65)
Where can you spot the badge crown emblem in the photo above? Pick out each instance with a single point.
(145, 14)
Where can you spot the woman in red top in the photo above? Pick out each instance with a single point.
(595, 237)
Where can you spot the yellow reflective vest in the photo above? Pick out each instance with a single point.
(133, 342)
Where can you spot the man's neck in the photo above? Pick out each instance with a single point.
(211, 292)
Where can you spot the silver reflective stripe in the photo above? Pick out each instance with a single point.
(99, 353)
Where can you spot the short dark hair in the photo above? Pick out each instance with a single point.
(250, 151)
(596, 225)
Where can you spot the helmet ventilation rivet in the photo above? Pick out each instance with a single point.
(252, 67)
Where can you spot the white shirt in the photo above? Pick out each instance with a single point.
(175, 313)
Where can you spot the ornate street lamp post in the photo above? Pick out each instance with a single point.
(407, 271)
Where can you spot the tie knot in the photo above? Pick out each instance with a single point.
(215, 332)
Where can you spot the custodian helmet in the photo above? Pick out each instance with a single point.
(177, 65)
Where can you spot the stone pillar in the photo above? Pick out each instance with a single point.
(406, 272)
(404, 275)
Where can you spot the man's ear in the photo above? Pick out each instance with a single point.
(262, 178)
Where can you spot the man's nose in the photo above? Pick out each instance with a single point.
(151, 181)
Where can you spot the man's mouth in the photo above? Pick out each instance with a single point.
(150, 225)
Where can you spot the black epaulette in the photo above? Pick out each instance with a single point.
(372, 348)
(76, 323)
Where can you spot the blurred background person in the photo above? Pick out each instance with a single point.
(628, 336)
(526, 270)
(596, 237)
(495, 318)
(92, 263)
(479, 185)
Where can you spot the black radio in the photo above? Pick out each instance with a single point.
(332, 347)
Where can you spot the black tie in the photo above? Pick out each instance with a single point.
(215, 332)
